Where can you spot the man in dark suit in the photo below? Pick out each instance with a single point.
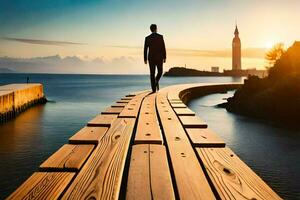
(156, 55)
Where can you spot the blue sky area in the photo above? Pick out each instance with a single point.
(116, 29)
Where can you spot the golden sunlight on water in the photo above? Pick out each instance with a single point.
(14, 134)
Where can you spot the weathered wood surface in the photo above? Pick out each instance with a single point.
(190, 179)
(203, 137)
(68, 158)
(184, 112)
(43, 185)
(149, 174)
(130, 95)
(232, 178)
(175, 101)
(173, 94)
(123, 101)
(100, 177)
(120, 105)
(192, 122)
(88, 135)
(131, 110)
(126, 98)
(178, 105)
(148, 130)
(103, 120)
(112, 110)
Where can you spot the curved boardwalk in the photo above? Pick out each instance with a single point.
(147, 146)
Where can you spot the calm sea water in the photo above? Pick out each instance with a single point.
(25, 142)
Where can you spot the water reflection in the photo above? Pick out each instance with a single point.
(20, 141)
(18, 133)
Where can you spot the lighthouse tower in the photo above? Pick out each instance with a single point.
(236, 51)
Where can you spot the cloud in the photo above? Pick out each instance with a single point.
(123, 59)
(41, 42)
(123, 46)
(6, 70)
(69, 64)
(246, 53)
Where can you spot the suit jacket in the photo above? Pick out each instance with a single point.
(157, 50)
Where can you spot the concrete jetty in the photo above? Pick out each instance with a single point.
(147, 146)
(15, 98)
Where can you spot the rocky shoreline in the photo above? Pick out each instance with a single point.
(275, 98)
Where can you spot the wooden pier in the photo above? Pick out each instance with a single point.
(15, 98)
(147, 146)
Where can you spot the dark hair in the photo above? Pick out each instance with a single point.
(153, 27)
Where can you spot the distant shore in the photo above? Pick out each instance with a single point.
(182, 71)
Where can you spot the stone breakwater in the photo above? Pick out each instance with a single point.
(15, 98)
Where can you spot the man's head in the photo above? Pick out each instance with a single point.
(153, 28)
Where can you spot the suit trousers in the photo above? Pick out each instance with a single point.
(155, 79)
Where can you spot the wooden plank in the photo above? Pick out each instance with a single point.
(192, 122)
(123, 101)
(102, 120)
(176, 102)
(119, 105)
(149, 175)
(184, 112)
(138, 184)
(131, 110)
(112, 110)
(100, 177)
(232, 178)
(161, 183)
(204, 138)
(190, 179)
(68, 158)
(148, 130)
(174, 91)
(43, 185)
(88, 135)
(178, 105)
(126, 98)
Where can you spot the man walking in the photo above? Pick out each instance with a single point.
(156, 55)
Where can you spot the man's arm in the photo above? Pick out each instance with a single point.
(146, 45)
(164, 49)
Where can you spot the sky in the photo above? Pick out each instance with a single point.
(107, 36)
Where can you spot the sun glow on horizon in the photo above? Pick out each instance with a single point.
(269, 44)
